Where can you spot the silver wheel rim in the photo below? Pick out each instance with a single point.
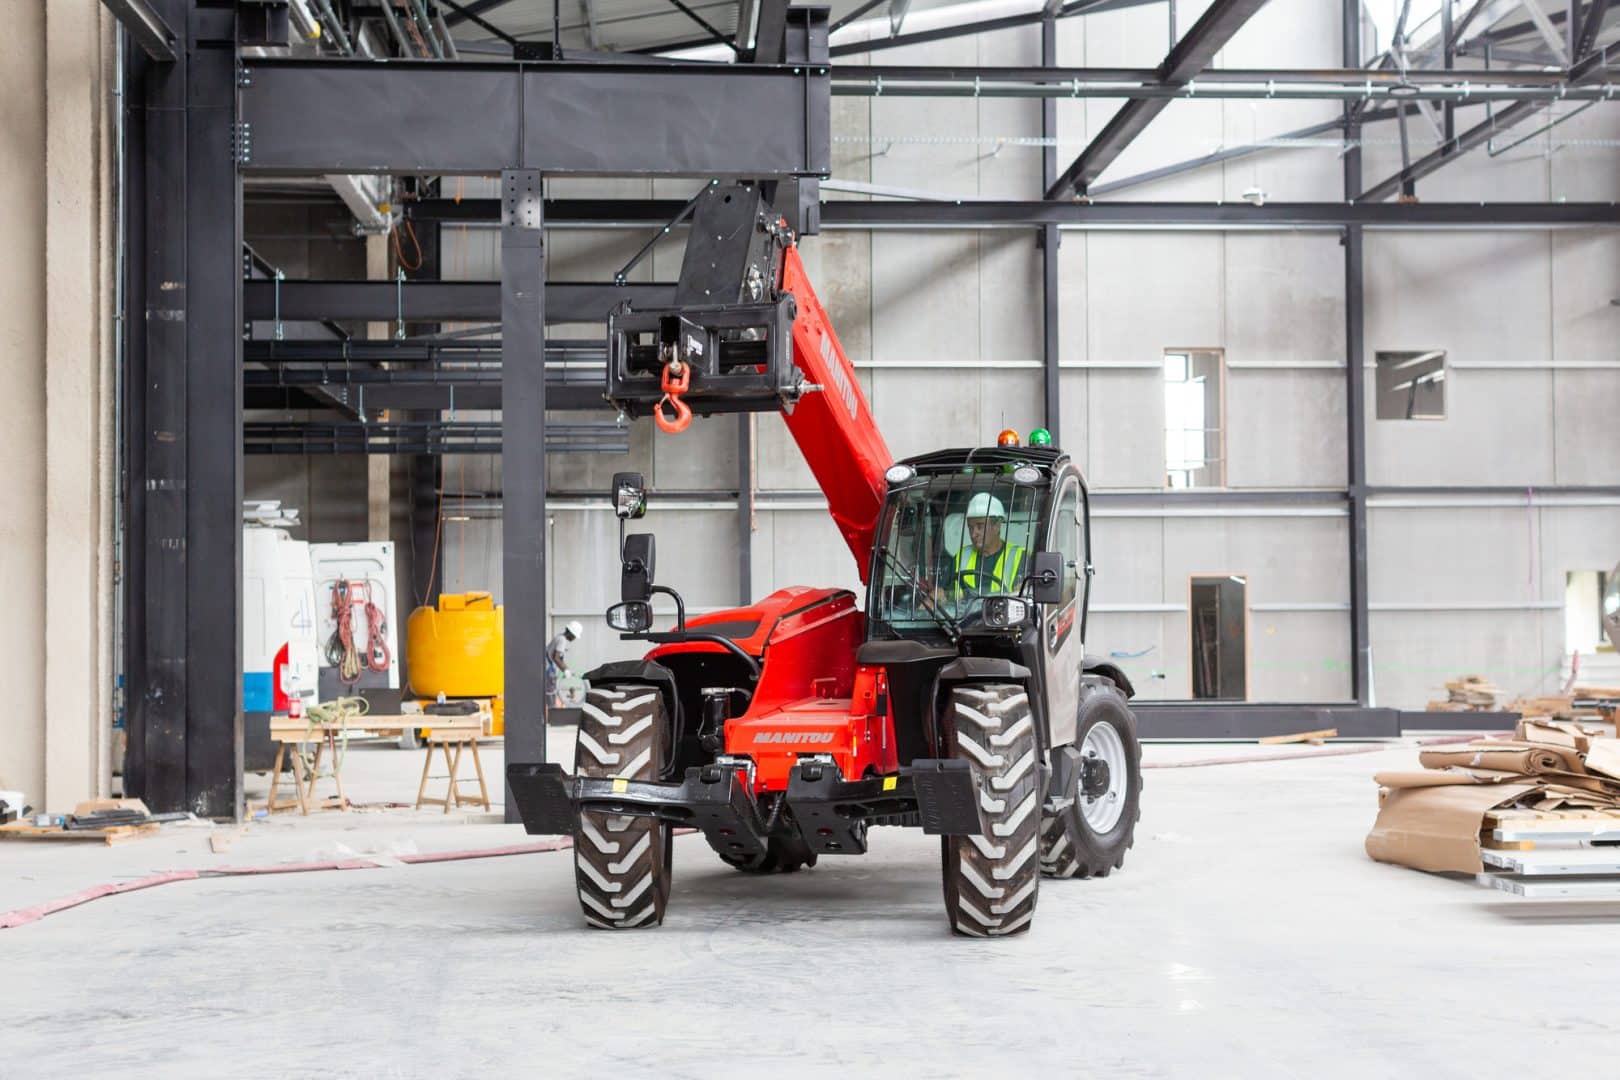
(1102, 812)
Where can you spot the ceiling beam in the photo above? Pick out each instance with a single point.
(1588, 69)
(1192, 54)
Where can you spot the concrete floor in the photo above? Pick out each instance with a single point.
(1248, 936)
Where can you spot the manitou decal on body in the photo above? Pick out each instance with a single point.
(835, 367)
(797, 738)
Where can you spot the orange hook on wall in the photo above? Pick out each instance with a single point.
(676, 381)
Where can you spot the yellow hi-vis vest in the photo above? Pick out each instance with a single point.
(996, 579)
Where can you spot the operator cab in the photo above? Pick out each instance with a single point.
(966, 550)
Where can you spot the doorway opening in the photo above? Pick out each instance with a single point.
(1220, 641)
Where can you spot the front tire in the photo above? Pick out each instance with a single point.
(991, 881)
(622, 863)
(1089, 835)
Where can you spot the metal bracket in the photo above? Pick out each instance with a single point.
(242, 142)
(399, 304)
(278, 279)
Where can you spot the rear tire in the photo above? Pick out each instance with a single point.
(991, 881)
(1081, 841)
(622, 864)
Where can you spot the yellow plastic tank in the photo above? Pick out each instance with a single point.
(457, 649)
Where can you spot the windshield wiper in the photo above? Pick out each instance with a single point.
(952, 631)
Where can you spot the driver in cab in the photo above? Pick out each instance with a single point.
(987, 564)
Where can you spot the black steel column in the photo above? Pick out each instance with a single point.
(155, 582)
(1049, 240)
(745, 509)
(184, 396)
(523, 466)
(1355, 385)
(213, 447)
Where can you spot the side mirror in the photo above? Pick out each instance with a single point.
(636, 572)
(629, 496)
(630, 617)
(1047, 578)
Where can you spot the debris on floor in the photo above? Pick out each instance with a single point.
(112, 821)
(1315, 738)
(1467, 693)
(1446, 816)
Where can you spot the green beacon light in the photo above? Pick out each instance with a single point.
(1040, 437)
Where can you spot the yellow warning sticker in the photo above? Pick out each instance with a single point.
(889, 782)
(620, 784)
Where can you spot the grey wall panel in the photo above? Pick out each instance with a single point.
(1008, 171)
(1285, 428)
(701, 458)
(1125, 428)
(1286, 559)
(839, 264)
(1010, 299)
(593, 473)
(1576, 538)
(1579, 171)
(1299, 656)
(779, 464)
(587, 546)
(1129, 556)
(1414, 653)
(934, 155)
(925, 298)
(1305, 175)
(1136, 642)
(803, 547)
(1497, 430)
(472, 555)
(1074, 340)
(1284, 298)
(1586, 427)
(1152, 291)
(1421, 556)
(1074, 436)
(1424, 292)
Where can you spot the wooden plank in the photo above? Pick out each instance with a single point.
(1302, 736)
(21, 830)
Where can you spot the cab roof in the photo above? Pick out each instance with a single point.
(1046, 458)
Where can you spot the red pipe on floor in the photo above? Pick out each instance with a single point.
(24, 916)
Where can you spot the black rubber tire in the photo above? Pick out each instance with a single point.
(992, 882)
(622, 864)
(1069, 846)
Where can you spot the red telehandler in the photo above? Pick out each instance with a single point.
(959, 700)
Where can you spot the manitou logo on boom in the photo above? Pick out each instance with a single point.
(835, 367)
(797, 738)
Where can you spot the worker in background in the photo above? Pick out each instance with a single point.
(557, 659)
(988, 563)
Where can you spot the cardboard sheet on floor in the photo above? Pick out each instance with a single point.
(1437, 828)
(1523, 758)
(1450, 777)
(1603, 756)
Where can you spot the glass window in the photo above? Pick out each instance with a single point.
(1066, 538)
(1194, 411)
(946, 543)
(1411, 385)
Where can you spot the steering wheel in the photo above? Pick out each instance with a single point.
(959, 580)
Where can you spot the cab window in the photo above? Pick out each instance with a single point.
(1066, 538)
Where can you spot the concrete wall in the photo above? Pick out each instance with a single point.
(56, 298)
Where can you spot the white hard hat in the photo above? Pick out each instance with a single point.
(986, 505)
(575, 628)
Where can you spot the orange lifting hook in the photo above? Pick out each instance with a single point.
(674, 385)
